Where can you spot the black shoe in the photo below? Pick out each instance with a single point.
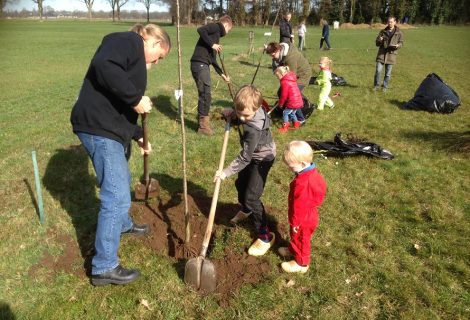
(138, 230)
(118, 275)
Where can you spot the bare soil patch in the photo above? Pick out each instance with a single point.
(167, 235)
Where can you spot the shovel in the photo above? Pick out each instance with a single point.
(225, 72)
(200, 272)
(149, 188)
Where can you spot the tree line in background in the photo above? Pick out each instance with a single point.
(263, 12)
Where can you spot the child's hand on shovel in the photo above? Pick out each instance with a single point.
(228, 113)
(143, 151)
(226, 78)
(219, 174)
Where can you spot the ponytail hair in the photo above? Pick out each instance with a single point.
(154, 31)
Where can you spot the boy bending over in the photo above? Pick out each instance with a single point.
(252, 164)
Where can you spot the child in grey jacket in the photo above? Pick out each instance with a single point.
(252, 164)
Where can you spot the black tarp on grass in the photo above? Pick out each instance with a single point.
(434, 95)
(354, 147)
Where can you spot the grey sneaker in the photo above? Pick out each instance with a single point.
(239, 217)
(376, 88)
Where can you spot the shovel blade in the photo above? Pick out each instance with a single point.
(192, 272)
(208, 277)
(199, 273)
(143, 193)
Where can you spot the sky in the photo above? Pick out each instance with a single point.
(72, 5)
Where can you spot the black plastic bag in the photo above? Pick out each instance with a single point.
(307, 109)
(335, 80)
(434, 95)
(343, 148)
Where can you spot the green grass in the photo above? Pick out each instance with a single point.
(393, 238)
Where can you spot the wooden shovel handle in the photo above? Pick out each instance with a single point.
(225, 72)
(215, 197)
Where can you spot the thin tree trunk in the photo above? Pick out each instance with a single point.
(190, 9)
(187, 237)
(351, 15)
(40, 9)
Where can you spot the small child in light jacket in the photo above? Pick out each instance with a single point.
(324, 81)
(306, 194)
(302, 30)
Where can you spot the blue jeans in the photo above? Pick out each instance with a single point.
(327, 40)
(289, 113)
(299, 113)
(113, 176)
(388, 74)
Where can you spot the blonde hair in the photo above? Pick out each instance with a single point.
(326, 60)
(297, 151)
(248, 98)
(154, 31)
(226, 19)
(282, 70)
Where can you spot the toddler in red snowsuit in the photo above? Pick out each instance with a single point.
(306, 194)
(290, 98)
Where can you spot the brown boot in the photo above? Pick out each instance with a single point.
(205, 126)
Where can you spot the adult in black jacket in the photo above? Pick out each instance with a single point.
(205, 55)
(285, 29)
(325, 35)
(104, 118)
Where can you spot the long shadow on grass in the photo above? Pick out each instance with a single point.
(254, 65)
(5, 311)
(69, 181)
(224, 103)
(32, 196)
(451, 141)
(165, 106)
(398, 103)
(202, 198)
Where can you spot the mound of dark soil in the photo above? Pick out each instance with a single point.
(167, 235)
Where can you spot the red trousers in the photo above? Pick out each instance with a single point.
(299, 244)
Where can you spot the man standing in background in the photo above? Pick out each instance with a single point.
(389, 41)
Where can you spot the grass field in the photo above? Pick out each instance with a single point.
(393, 240)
